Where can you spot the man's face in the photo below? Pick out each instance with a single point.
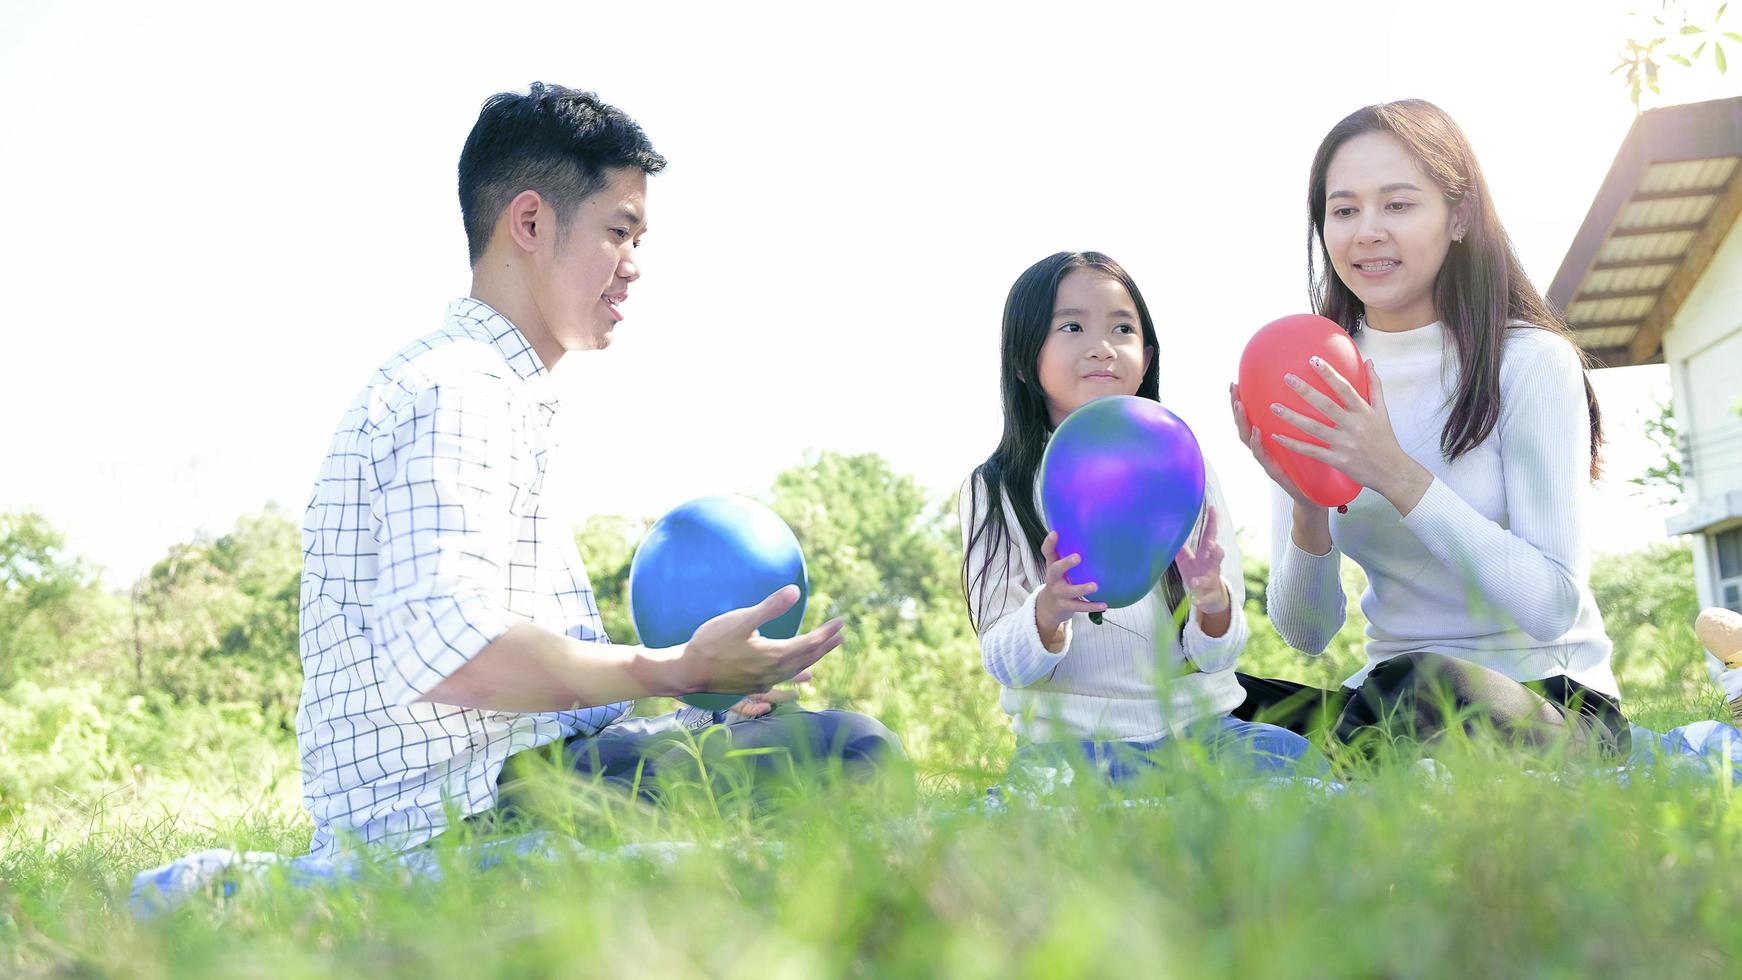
(585, 274)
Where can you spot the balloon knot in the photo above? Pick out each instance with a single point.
(1342, 508)
(1095, 618)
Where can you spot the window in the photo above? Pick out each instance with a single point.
(1729, 545)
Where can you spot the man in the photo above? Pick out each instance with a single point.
(447, 622)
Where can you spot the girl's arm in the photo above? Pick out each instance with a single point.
(1533, 569)
(1219, 652)
(1003, 594)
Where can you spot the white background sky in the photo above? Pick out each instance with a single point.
(218, 218)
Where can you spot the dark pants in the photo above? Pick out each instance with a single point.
(1419, 696)
(750, 751)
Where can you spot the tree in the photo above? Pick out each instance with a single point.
(873, 539)
(887, 556)
(1648, 604)
(49, 602)
(1664, 478)
(607, 545)
(217, 617)
(1676, 36)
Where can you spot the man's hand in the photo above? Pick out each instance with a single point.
(727, 653)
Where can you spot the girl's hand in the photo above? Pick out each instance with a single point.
(1359, 441)
(1201, 569)
(1059, 600)
(1254, 441)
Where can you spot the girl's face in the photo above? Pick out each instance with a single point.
(1387, 229)
(1094, 346)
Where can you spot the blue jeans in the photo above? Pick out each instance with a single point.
(637, 753)
(1248, 747)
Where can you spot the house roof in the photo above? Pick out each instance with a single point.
(1671, 196)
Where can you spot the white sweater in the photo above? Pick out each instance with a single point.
(1492, 566)
(1105, 682)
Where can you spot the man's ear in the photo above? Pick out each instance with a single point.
(530, 222)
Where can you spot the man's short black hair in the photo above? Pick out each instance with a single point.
(553, 140)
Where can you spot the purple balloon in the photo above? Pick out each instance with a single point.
(1122, 483)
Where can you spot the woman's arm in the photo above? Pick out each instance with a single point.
(1306, 601)
(1533, 569)
(1305, 594)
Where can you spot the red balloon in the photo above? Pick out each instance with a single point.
(1283, 347)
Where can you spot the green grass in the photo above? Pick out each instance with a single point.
(1491, 872)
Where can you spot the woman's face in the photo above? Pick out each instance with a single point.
(1094, 345)
(1387, 228)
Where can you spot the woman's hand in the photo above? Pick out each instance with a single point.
(1059, 600)
(1359, 439)
(1254, 441)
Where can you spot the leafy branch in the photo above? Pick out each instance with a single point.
(1687, 44)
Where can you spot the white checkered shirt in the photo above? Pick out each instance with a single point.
(425, 539)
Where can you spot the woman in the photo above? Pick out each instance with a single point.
(1475, 453)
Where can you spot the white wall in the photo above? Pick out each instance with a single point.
(1703, 347)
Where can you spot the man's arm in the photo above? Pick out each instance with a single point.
(528, 668)
(448, 468)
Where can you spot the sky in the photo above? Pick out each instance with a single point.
(221, 217)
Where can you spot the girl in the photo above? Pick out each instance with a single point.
(1475, 454)
(1076, 329)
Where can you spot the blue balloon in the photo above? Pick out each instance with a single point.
(711, 556)
(1122, 482)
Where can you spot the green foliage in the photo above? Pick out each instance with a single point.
(1488, 873)
(53, 741)
(1255, 575)
(1648, 604)
(216, 619)
(50, 607)
(1674, 35)
(607, 545)
(1664, 478)
(71, 750)
(872, 537)
(886, 557)
(101, 775)
(1267, 656)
